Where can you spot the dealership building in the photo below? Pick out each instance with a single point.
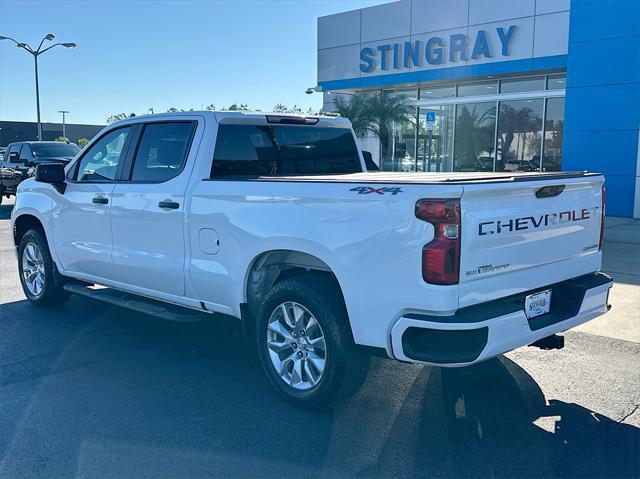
(498, 85)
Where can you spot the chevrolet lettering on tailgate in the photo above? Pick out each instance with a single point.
(532, 222)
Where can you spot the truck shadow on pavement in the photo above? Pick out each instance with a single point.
(90, 390)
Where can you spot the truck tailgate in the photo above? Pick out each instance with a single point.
(521, 235)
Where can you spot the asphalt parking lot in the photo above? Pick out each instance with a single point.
(90, 390)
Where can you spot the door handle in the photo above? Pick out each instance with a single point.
(168, 204)
(100, 200)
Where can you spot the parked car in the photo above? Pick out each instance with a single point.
(19, 161)
(513, 165)
(273, 220)
(484, 163)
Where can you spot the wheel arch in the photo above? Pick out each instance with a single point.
(24, 223)
(272, 266)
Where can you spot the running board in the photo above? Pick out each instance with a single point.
(139, 304)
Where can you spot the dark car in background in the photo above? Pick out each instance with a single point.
(20, 159)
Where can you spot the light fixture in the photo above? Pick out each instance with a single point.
(36, 53)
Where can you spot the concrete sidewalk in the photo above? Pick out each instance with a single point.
(621, 259)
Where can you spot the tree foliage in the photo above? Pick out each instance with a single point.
(279, 108)
(295, 109)
(62, 138)
(176, 110)
(355, 109)
(119, 116)
(376, 113)
(478, 124)
(82, 142)
(238, 107)
(383, 111)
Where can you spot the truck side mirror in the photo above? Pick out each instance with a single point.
(14, 156)
(368, 161)
(52, 173)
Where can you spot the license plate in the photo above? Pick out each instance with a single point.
(537, 304)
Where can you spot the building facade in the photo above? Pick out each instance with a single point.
(498, 85)
(11, 131)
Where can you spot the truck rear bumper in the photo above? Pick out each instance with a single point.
(482, 331)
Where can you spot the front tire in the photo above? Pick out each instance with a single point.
(305, 343)
(41, 282)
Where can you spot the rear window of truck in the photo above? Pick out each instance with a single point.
(283, 150)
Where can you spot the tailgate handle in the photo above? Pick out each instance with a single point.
(549, 191)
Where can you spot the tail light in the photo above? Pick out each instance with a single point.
(604, 204)
(441, 256)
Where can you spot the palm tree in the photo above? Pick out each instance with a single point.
(512, 121)
(385, 111)
(474, 135)
(376, 113)
(355, 110)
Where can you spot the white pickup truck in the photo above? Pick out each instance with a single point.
(273, 220)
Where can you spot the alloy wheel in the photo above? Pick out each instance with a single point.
(33, 269)
(297, 346)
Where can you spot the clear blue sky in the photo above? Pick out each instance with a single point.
(136, 55)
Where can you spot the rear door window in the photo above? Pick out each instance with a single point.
(283, 150)
(162, 151)
(14, 149)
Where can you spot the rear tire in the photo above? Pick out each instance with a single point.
(41, 282)
(305, 343)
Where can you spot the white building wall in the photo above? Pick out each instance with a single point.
(542, 30)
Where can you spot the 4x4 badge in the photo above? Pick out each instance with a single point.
(367, 190)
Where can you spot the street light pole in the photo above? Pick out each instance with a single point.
(36, 53)
(64, 129)
(35, 60)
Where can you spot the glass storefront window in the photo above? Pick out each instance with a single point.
(410, 94)
(517, 85)
(519, 135)
(557, 82)
(442, 91)
(553, 128)
(435, 147)
(401, 145)
(478, 88)
(401, 154)
(474, 136)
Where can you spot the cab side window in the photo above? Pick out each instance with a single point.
(100, 162)
(162, 151)
(13, 149)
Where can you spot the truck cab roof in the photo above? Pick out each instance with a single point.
(249, 117)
